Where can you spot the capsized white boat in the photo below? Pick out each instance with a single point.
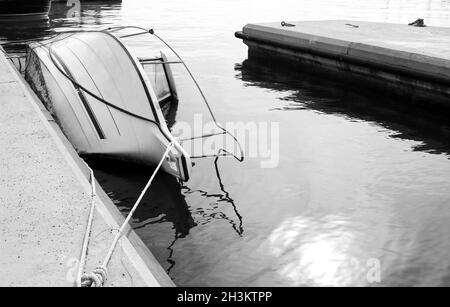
(104, 101)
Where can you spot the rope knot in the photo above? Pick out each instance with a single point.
(96, 279)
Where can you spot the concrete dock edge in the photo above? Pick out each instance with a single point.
(414, 60)
(146, 269)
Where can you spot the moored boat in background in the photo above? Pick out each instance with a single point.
(24, 8)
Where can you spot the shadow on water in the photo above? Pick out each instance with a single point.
(312, 90)
(163, 202)
(15, 32)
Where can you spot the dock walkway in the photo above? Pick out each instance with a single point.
(413, 59)
(45, 202)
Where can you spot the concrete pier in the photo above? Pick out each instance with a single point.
(45, 202)
(411, 60)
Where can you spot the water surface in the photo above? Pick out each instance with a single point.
(359, 177)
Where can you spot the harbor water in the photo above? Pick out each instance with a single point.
(361, 180)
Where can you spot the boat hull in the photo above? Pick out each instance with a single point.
(15, 8)
(98, 62)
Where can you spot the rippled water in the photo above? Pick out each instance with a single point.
(359, 177)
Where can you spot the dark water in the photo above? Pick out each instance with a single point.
(360, 176)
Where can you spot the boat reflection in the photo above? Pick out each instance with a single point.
(309, 89)
(36, 9)
(221, 198)
(88, 13)
(163, 203)
(15, 33)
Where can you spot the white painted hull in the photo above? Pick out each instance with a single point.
(102, 64)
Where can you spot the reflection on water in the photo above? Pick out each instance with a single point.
(89, 15)
(163, 202)
(316, 252)
(360, 176)
(221, 198)
(92, 13)
(23, 30)
(318, 92)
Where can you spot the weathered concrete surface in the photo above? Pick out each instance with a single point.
(400, 54)
(45, 202)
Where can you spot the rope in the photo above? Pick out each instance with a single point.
(87, 234)
(98, 277)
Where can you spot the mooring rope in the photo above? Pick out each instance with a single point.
(98, 277)
(87, 234)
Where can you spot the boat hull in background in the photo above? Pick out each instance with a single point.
(17, 8)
